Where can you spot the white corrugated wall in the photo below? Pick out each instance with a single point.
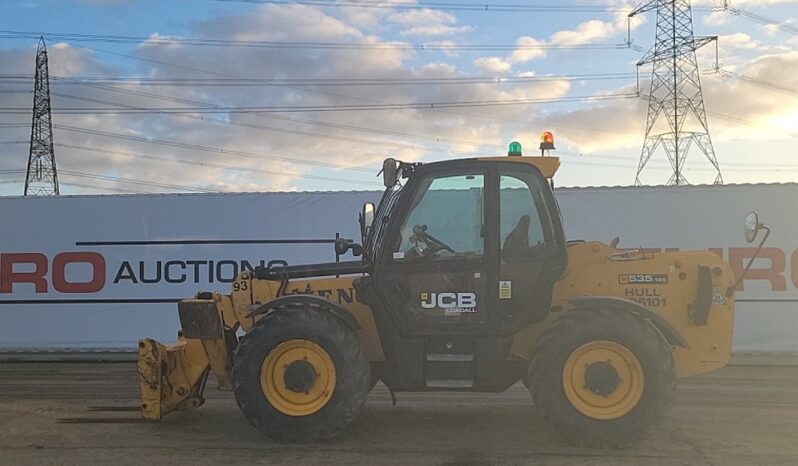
(142, 279)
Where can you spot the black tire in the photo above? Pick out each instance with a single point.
(579, 327)
(352, 375)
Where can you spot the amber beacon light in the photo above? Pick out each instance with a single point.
(546, 142)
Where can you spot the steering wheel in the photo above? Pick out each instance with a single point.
(420, 232)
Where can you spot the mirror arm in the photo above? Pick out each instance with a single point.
(730, 290)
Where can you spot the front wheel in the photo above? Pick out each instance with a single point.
(300, 375)
(602, 378)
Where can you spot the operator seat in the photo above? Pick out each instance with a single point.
(516, 245)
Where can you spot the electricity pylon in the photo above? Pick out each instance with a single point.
(42, 178)
(675, 90)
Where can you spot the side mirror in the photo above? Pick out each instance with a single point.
(342, 245)
(752, 226)
(389, 170)
(366, 219)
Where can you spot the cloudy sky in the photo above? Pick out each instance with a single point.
(309, 74)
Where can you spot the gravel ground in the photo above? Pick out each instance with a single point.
(743, 414)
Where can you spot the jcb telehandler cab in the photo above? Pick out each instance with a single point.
(465, 283)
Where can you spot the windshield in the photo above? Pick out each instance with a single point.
(376, 233)
(432, 229)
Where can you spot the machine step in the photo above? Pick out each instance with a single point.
(450, 383)
(447, 357)
(449, 370)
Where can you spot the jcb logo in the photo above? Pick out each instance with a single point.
(449, 301)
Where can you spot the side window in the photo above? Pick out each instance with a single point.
(521, 229)
(445, 220)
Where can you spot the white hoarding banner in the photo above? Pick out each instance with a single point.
(708, 217)
(104, 271)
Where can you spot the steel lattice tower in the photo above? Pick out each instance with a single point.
(42, 178)
(675, 90)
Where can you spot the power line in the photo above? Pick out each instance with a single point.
(759, 83)
(287, 117)
(292, 159)
(214, 150)
(214, 73)
(314, 134)
(737, 120)
(204, 42)
(744, 167)
(191, 146)
(260, 115)
(324, 108)
(320, 82)
(744, 122)
(451, 6)
(317, 122)
(139, 182)
(238, 153)
(454, 141)
(761, 19)
(96, 177)
(431, 138)
(214, 165)
(316, 91)
(757, 167)
(102, 188)
(296, 119)
(246, 169)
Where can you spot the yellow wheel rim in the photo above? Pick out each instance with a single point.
(603, 380)
(298, 377)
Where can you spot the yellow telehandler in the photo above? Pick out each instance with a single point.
(465, 282)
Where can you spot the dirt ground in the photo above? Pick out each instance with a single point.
(743, 414)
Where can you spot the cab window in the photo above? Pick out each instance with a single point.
(445, 219)
(521, 228)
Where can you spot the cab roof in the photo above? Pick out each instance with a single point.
(547, 165)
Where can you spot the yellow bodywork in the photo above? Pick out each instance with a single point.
(172, 375)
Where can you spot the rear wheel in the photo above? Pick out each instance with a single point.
(602, 378)
(300, 375)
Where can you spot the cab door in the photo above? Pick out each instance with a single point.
(436, 273)
(532, 252)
